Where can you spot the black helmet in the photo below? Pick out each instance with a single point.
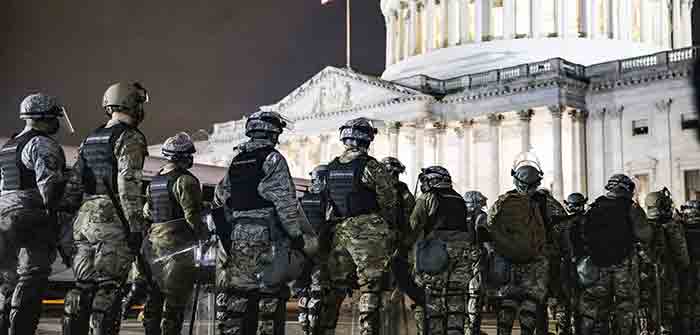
(434, 177)
(358, 131)
(178, 147)
(40, 106)
(526, 172)
(575, 203)
(474, 200)
(691, 212)
(620, 184)
(659, 204)
(393, 165)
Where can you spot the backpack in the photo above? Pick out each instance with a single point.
(608, 231)
(517, 228)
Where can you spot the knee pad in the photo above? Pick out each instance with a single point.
(106, 296)
(79, 299)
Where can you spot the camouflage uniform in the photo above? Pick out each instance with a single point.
(448, 291)
(253, 233)
(165, 307)
(103, 255)
(689, 289)
(616, 292)
(528, 288)
(476, 217)
(361, 244)
(29, 233)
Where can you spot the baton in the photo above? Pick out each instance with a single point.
(68, 123)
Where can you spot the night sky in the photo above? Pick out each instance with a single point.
(202, 61)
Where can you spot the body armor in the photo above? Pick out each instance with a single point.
(347, 193)
(692, 237)
(313, 205)
(16, 176)
(245, 174)
(452, 212)
(99, 163)
(163, 205)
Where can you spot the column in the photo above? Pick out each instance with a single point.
(390, 32)
(508, 19)
(439, 130)
(582, 116)
(410, 159)
(444, 24)
(412, 32)
(464, 23)
(406, 22)
(535, 18)
(644, 22)
(464, 134)
(324, 151)
(582, 11)
(665, 25)
(420, 145)
(494, 155)
(455, 15)
(577, 151)
(558, 187)
(562, 7)
(393, 131)
(400, 36)
(525, 116)
(428, 23)
(686, 38)
(610, 17)
(591, 19)
(482, 28)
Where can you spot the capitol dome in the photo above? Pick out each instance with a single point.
(449, 38)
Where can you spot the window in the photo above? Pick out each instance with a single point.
(642, 187)
(640, 127)
(692, 184)
(689, 121)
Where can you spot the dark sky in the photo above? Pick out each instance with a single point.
(202, 61)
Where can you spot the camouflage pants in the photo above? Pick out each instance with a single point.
(361, 246)
(689, 299)
(527, 289)
(446, 310)
(25, 266)
(308, 291)
(101, 264)
(615, 293)
(243, 305)
(165, 306)
(648, 310)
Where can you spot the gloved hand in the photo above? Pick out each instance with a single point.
(135, 240)
(297, 243)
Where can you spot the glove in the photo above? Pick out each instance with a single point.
(297, 243)
(135, 240)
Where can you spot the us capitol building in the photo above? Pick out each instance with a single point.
(592, 87)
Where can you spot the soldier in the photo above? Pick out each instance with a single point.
(364, 211)
(535, 210)
(616, 229)
(32, 165)
(476, 218)
(568, 232)
(440, 216)
(406, 199)
(669, 258)
(690, 288)
(174, 206)
(106, 185)
(262, 214)
(309, 288)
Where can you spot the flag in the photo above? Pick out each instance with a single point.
(323, 2)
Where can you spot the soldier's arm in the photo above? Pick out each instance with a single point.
(147, 206)
(278, 187)
(46, 158)
(425, 207)
(376, 177)
(130, 151)
(188, 194)
(221, 192)
(73, 194)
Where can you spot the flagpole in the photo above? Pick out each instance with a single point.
(347, 37)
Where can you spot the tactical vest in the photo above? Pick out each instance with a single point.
(313, 205)
(608, 231)
(99, 162)
(245, 174)
(451, 212)
(347, 193)
(692, 237)
(16, 176)
(164, 206)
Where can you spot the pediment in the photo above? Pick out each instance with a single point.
(333, 91)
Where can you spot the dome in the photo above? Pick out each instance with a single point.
(448, 38)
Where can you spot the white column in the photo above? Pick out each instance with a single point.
(444, 24)
(394, 130)
(535, 18)
(400, 36)
(390, 33)
(464, 134)
(464, 23)
(562, 18)
(665, 24)
(494, 155)
(644, 22)
(482, 28)
(324, 150)
(412, 26)
(428, 25)
(455, 15)
(558, 185)
(439, 130)
(410, 159)
(591, 19)
(508, 19)
(677, 24)
(406, 41)
(420, 145)
(577, 151)
(686, 24)
(582, 116)
(610, 17)
(583, 17)
(525, 116)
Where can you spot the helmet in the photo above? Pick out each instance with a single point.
(266, 122)
(360, 130)
(659, 204)
(474, 200)
(620, 184)
(691, 211)
(127, 98)
(40, 106)
(527, 173)
(178, 147)
(434, 177)
(575, 203)
(393, 165)
(318, 177)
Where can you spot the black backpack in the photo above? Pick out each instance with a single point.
(608, 231)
